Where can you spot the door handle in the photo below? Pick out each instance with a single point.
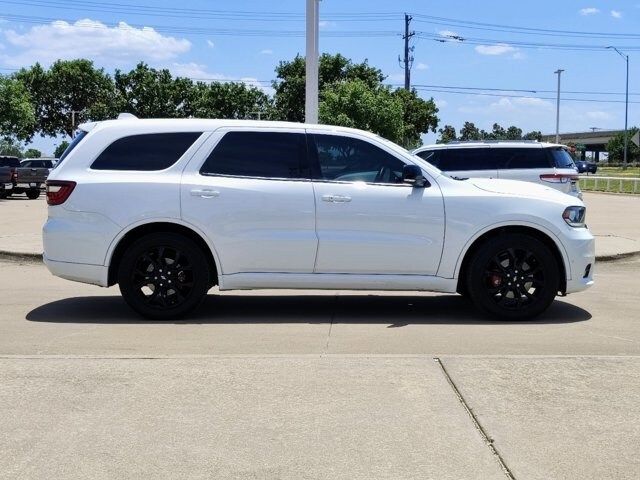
(205, 193)
(336, 198)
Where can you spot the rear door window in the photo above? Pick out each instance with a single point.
(146, 152)
(281, 155)
(519, 158)
(459, 159)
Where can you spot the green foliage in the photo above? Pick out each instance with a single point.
(290, 84)
(355, 104)
(418, 116)
(60, 148)
(8, 146)
(470, 132)
(32, 153)
(17, 116)
(615, 147)
(67, 86)
(447, 134)
(228, 100)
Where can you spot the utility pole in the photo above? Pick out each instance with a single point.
(559, 73)
(626, 109)
(408, 59)
(311, 62)
(73, 123)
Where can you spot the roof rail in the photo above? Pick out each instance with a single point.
(127, 116)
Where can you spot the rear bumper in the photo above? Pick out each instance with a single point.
(79, 272)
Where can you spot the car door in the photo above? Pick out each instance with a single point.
(367, 220)
(468, 162)
(251, 194)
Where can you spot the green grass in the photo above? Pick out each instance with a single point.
(618, 172)
(591, 184)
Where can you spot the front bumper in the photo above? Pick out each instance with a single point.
(580, 247)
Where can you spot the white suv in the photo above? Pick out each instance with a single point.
(545, 163)
(169, 208)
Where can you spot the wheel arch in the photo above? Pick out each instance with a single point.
(545, 237)
(131, 234)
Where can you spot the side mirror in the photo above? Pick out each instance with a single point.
(412, 174)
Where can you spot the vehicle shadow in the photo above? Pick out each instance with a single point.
(397, 310)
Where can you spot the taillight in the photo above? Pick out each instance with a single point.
(14, 176)
(558, 177)
(58, 191)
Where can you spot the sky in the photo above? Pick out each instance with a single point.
(485, 62)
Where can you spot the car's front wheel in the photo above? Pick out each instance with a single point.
(513, 277)
(163, 276)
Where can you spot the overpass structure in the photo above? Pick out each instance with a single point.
(595, 141)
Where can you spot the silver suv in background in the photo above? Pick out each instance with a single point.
(548, 164)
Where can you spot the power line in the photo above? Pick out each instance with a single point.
(519, 29)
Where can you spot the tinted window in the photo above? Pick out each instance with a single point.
(561, 158)
(350, 160)
(154, 151)
(457, 159)
(259, 154)
(431, 156)
(511, 158)
(9, 162)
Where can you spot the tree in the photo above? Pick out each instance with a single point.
(289, 87)
(17, 116)
(418, 117)
(32, 153)
(447, 134)
(68, 86)
(534, 135)
(60, 148)
(615, 147)
(228, 100)
(469, 132)
(8, 146)
(355, 104)
(513, 133)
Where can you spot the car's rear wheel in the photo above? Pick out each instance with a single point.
(513, 277)
(33, 194)
(163, 276)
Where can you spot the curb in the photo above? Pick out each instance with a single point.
(21, 256)
(37, 257)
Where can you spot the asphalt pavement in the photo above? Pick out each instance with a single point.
(319, 384)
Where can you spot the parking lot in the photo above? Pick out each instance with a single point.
(319, 384)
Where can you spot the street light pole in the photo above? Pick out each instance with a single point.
(311, 62)
(626, 109)
(559, 73)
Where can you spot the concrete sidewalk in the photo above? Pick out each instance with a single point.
(609, 218)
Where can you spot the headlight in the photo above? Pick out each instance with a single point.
(575, 216)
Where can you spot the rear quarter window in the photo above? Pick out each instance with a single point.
(431, 156)
(146, 152)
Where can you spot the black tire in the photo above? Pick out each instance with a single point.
(32, 194)
(513, 277)
(3, 195)
(163, 276)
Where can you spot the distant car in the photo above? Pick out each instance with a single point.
(6, 185)
(12, 163)
(547, 164)
(584, 166)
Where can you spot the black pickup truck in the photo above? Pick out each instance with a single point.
(11, 164)
(6, 185)
(25, 179)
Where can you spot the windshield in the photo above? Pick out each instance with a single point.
(561, 158)
(74, 143)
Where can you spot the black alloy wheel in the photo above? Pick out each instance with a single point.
(513, 276)
(163, 276)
